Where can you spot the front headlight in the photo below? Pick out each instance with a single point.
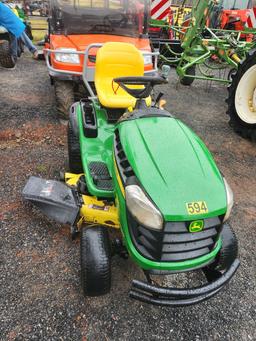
(230, 199)
(147, 58)
(142, 208)
(67, 57)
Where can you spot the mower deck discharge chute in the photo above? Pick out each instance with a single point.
(54, 198)
(135, 167)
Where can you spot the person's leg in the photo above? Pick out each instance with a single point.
(28, 43)
(13, 46)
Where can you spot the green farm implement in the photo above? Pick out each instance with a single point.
(205, 49)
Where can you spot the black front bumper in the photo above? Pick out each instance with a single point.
(175, 297)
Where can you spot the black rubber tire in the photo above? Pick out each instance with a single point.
(186, 80)
(231, 74)
(95, 261)
(240, 127)
(20, 48)
(6, 59)
(229, 249)
(74, 155)
(64, 93)
(29, 32)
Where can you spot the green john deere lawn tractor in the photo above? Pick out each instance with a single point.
(136, 168)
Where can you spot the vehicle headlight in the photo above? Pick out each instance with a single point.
(147, 58)
(142, 208)
(67, 57)
(230, 199)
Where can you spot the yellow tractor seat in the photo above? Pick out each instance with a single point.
(117, 60)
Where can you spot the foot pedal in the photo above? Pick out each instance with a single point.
(100, 175)
(53, 198)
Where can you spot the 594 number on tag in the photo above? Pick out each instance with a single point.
(197, 207)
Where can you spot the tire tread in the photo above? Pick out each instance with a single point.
(242, 128)
(74, 155)
(6, 59)
(95, 261)
(64, 93)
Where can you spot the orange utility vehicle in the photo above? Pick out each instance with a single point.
(75, 25)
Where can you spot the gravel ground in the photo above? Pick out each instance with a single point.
(39, 282)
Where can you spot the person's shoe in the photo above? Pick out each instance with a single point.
(35, 55)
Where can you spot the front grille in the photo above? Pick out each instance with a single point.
(174, 243)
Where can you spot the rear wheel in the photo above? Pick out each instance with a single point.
(6, 59)
(64, 93)
(95, 261)
(242, 98)
(74, 155)
(187, 80)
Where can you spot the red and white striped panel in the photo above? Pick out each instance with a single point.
(160, 9)
(251, 21)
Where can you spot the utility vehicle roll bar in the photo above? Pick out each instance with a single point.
(88, 71)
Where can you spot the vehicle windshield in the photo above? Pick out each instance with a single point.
(118, 17)
(236, 4)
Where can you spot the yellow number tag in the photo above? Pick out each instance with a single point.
(198, 207)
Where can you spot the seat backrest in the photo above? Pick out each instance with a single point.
(116, 60)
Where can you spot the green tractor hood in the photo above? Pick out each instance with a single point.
(174, 167)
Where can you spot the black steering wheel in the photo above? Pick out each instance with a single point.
(148, 81)
(99, 28)
(115, 20)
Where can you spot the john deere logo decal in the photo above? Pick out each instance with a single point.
(196, 226)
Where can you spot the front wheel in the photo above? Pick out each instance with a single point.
(242, 98)
(229, 249)
(95, 261)
(64, 93)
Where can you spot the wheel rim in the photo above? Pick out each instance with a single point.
(245, 99)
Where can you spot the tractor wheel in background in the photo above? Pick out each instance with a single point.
(20, 49)
(95, 261)
(187, 80)
(64, 93)
(74, 155)
(242, 98)
(6, 59)
(231, 74)
(29, 31)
